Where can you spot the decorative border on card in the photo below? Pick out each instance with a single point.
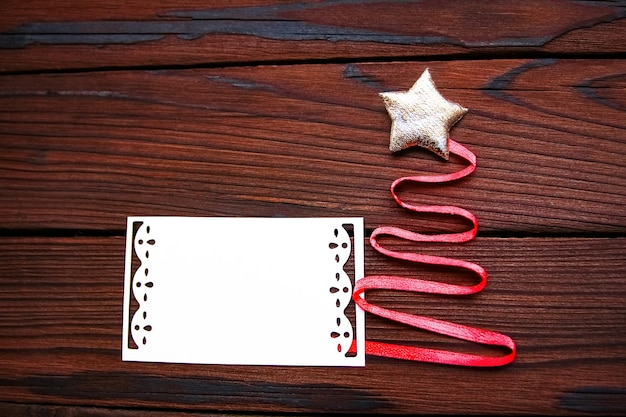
(142, 283)
(341, 290)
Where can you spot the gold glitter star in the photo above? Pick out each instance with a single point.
(421, 116)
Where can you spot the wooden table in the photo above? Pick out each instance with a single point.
(271, 109)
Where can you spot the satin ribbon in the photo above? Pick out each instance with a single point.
(379, 282)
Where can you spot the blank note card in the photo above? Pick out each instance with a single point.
(249, 291)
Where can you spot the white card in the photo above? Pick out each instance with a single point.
(249, 291)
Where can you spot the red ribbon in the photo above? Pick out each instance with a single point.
(386, 282)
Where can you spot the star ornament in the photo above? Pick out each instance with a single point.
(422, 117)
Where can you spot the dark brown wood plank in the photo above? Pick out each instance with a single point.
(85, 150)
(32, 410)
(562, 300)
(113, 34)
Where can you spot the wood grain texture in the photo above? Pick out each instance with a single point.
(83, 151)
(120, 34)
(60, 335)
(16, 409)
(266, 108)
